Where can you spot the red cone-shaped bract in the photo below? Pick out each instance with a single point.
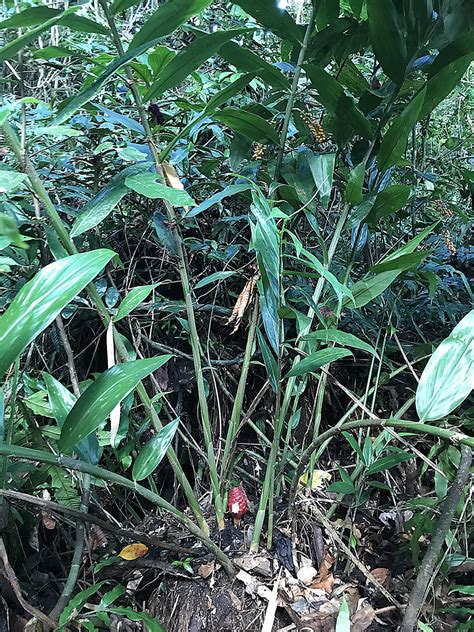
(237, 503)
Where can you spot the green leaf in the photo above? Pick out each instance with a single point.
(387, 38)
(146, 184)
(269, 361)
(343, 623)
(61, 401)
(395, 140)
(57, 131)
(216, 276)
(165, 19)
(126, 121)
(366, 290)
(340, 289)
(247, 61)
(251, 125)
(76, 603)
(316, 360)
(331, 94)
(39, 15)
(232, 189)
(10, 180)
(189, 59)
(405, 262)
(102, 396)
(40, 300)
(443, 82)
(339, 487)
(389, 461)
(322, 170)
(411, 245)
(97, 209)
(70, 106)
(133, 299)
(341, 338)
(12, 48)
(153, 452)
(151, 624)
(465, 590)
(389, 201)
(353, 192)
(267, 13)
(448, 378)
(54, 52)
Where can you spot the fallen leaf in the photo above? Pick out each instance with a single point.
(317, 482)
(382, 575)
(133, 551)
(325, 584)
(205, 570)
(48, 521)
(362, 619)
(97, 538)
(258, 563)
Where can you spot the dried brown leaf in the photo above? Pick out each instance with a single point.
(362, 619)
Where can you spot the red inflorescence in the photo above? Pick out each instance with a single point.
(237, 503)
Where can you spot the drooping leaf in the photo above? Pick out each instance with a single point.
(216, 276)
(411, 245)
(12, 48)
(125, 121)
(342, 338)
(133, 299)
(269, 15)
(405, 262)
(232, 189)
(152, 453)
(386, 462)
(387, 38)
(41, 14)
(316, 360)
(189, 59)
(247, 61)
(322, 170)
(102, 396)
(394, 142)
(40, 300)
(147, 184)
(251, 125)
(61, 401)
(165, 19)
(388, 201)
(367, 289)
(10, 180)
(269, 361)
(442, 83)
(331, 94)
(448, 378)
(97, 209)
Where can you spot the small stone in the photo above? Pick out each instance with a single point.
(306, 574)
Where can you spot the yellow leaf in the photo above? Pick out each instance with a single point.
(319, 476)
(133, 551)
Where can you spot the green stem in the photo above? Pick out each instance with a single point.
(239, 396)
(7, 437)
(68, 244)
(452, 436)
(93, 470)
(183, 272)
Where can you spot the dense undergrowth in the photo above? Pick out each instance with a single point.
(235, 251)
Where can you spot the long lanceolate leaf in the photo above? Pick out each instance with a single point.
(39, 301)
(387, 38)
(267, 13)
(102, 396)
(448, 377)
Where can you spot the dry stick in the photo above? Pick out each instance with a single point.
(128, 534)
(425, 573)
(9, 574)
(183, 273)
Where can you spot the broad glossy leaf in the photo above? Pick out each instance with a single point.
(97, 209)
(147, 184)
(216, 276)
(133, 299)
(411, 245)
(165, 19)
(405, 262)
(54, 52)
(366, 290)
(125, 121)
(386, 462)
(342, 338)
(353, 192)
(152, 453)
(232, 189)
(40, 300)
(389, 201)
(387, 38)
(316, 360)
(269, 15)
(394, 142)
(39, 15)
(340, 289)
(61, 401)
(448, 378)
(331, 94)
(251, 125)
(189, 59)
(322, 169)
(102, 396)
